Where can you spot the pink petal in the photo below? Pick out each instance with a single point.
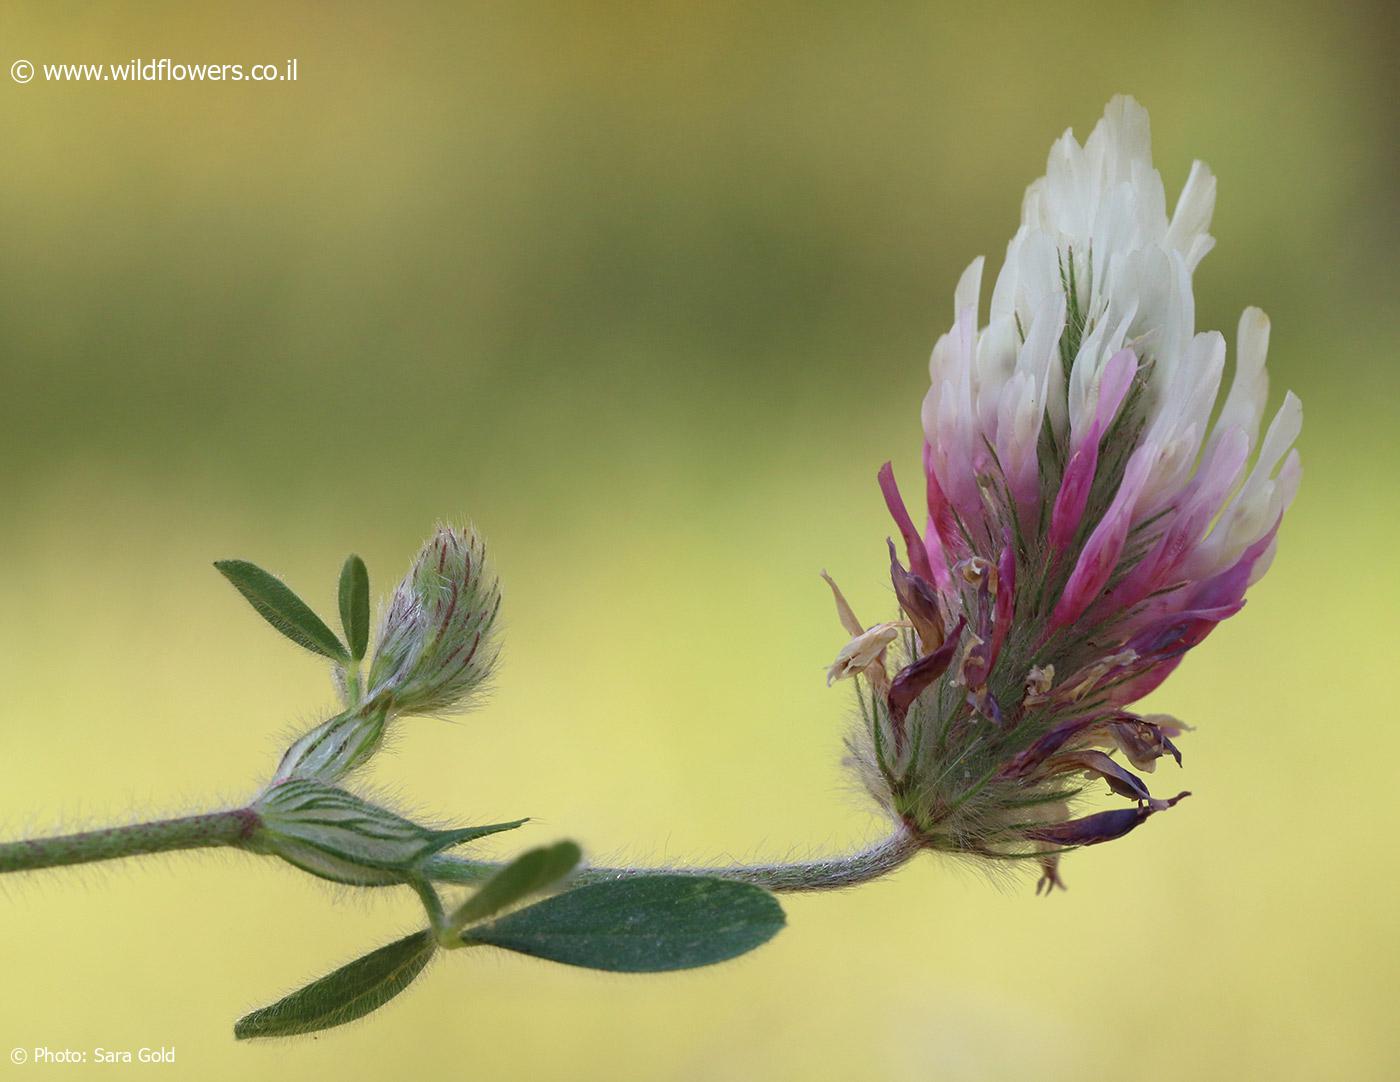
(1083, 464)
(913, 543)
(1105, 544)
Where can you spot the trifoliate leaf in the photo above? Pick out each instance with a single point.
(646, 924)
(354, 605)
(281, 608)
(351, 992)
(526, 874)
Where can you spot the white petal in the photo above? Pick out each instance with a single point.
(1189, 231)
(1252, 512)
(1183, 412)
(1022, 403)
(1244, 406)
(1285, 488)
(969, 289)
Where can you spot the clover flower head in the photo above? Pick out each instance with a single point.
(1086, 524)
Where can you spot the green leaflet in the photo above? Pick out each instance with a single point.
(646, 924)
(281, 608)
(351, 992)
(354, 605)
(530, 872)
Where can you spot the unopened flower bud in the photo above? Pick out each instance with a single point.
(337, 746)
(338, 836)
(435, 645)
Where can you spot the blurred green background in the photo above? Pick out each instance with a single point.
(647, 292)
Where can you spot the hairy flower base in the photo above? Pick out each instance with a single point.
(963, 783)
(967, 778)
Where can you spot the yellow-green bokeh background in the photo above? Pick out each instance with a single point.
(647, 291)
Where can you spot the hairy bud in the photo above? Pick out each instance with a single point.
(337, 746)
(435, 646)
(338, 836)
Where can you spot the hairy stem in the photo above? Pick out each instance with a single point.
(234, 828)
(827, 873)
(192, 832)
